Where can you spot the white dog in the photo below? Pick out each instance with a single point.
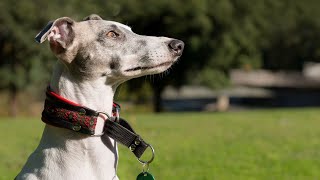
(94, 57)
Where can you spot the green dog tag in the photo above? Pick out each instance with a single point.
(145, 176)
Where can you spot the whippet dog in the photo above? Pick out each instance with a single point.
(94, 57)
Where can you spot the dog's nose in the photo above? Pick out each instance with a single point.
(176, 46)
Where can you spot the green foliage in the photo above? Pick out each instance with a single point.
(219, 35)
(23, 62)
(264, 144)
(143, 92)
(225, 34)
(212, 78)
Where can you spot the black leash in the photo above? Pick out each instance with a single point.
(123, 133)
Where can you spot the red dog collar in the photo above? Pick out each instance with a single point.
(61, 112)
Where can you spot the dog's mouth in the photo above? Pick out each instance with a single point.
(168, 63)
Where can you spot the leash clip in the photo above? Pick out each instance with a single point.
(146, 163)
(117, 114)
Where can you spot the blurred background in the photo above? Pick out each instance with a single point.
(239, 55)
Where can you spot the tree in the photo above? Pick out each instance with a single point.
(224, 34)
(219, 35)
(23, 63)
(17, 51)
(179, 19)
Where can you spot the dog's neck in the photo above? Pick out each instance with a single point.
(94, 94)
(99, 154)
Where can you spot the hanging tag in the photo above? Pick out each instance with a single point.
(145, 176)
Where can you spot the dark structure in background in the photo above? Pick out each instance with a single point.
(258, 89)
(289, 89)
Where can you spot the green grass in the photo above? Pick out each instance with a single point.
(261, 144)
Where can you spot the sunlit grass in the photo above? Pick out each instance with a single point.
(263, 144)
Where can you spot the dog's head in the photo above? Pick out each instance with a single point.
(95, 48)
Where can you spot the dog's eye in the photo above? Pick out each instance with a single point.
(112, 34)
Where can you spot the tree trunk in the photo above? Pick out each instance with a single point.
(157, 100)
(13, 100)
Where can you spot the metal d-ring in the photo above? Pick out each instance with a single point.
(151, 159)
(101, 134)
(97, 135)
(109, 117)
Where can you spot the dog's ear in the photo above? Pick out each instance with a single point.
(92, 17)
(59, 33)
(43, 34)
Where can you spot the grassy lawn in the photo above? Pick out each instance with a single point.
(261, 144)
